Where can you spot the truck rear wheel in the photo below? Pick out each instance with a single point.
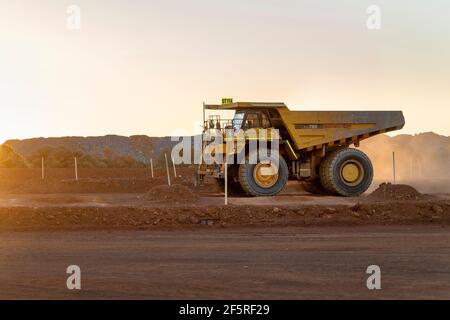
(346, 172)
(263, 178)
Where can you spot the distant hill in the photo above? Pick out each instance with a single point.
(10, 159)
(104, 151)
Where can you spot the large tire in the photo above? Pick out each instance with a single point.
(255, 183)
(346, 172)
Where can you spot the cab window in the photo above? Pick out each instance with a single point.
(265, 121)
(237, 120)
(252, 120)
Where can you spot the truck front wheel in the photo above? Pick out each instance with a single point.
(346, 172)
(263, 178)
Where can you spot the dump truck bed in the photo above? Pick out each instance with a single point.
(313, 129)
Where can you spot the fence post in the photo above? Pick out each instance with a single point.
(167, 168)
(151, 166)
(393, 165)
(174, 169)
(43, 170)
(226, 183)
(76, 169)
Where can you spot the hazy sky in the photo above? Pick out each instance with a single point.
(144, 67)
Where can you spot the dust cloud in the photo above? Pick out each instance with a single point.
(421, 160)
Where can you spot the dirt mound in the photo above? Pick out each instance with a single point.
(394, 192)
(176, 193)
(134, 217)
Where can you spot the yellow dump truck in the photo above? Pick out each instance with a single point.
(313, 147)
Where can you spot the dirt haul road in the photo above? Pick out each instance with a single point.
(137, 238)
(234, 263)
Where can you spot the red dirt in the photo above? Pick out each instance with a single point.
(95, 180)
(236, 263)
(182, 204)
(176, 193)
(396, 192)
(140, 217)
(54, 200)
